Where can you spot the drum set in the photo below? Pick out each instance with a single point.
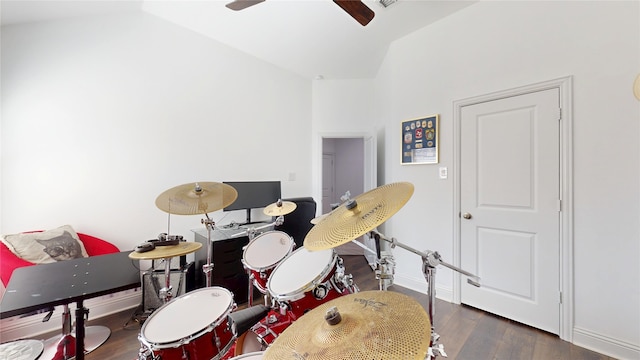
(313, 309)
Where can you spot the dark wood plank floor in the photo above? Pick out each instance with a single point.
(466, 332)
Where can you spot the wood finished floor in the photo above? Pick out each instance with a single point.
(466, 332)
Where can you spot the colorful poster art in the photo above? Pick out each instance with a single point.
(420, 140)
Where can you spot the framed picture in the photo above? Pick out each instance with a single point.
(420, 140)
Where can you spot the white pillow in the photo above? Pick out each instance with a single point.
(48, 246)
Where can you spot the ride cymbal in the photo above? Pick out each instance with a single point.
(368, 325)
(280, 208)
(196, 198)
(357, 216)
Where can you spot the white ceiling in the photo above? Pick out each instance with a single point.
(308, 37)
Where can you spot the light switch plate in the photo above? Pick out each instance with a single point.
(442, 171)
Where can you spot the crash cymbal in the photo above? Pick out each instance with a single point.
(196, 198)
(359, 215)
(317, 219)
(369, 325)
(280, 208)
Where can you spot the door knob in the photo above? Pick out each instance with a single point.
(466, 216)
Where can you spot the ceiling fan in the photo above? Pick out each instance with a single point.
(356, 8)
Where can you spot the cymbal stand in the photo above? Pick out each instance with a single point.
(208, 267)
(165, 292)
(431, 259)
(252, 231)
(385, 264)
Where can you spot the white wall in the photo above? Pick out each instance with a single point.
(493, 46)
(340, 108)
(100, 115)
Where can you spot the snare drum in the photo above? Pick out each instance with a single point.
(307, 279)
(193, 325)
(263, 253)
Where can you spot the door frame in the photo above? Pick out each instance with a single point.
(564, 85)
(370, 159)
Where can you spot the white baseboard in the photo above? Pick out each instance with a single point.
(581, 337)
(15, 328)
(605, 345)
(421, 286)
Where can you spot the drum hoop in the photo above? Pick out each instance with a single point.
(308, 286)
(242, 356)
(270, 266)
(187, 339)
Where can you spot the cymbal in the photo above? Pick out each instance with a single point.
(370, 325)
(196, 198)
(280, 208)
(163, 252)
(319, 218)
(357, 216)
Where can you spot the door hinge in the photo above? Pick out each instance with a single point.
(559, 114)
(559, 205)
(560, 297)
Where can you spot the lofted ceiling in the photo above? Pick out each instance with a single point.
(313, 38)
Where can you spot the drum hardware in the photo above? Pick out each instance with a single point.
(252, 231)
(263, 333)
(364, 325)
(166, 253)
(280, 208)
(198, 198)
(430, 260)
(341, 281)
(242, 320)
(343, 198)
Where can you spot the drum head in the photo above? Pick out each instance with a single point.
(267, 250)
(187, 315)
(297, 272)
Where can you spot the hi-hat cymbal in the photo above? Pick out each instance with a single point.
(196, 198)
(163, 252)
(280, 208)
(357, 216)
(370, 325)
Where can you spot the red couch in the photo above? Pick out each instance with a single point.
(9, 261)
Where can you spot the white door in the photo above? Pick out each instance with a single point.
(510, 207)
(328, 182)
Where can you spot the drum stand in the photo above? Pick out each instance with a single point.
(430, 259)
(208, 267)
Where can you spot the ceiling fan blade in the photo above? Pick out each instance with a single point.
(357, 9)
(242, 4)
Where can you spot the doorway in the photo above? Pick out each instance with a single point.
(348, 169)
(513, 204)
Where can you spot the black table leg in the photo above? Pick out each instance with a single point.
(80, 313)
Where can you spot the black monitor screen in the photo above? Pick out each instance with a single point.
(254, 194)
